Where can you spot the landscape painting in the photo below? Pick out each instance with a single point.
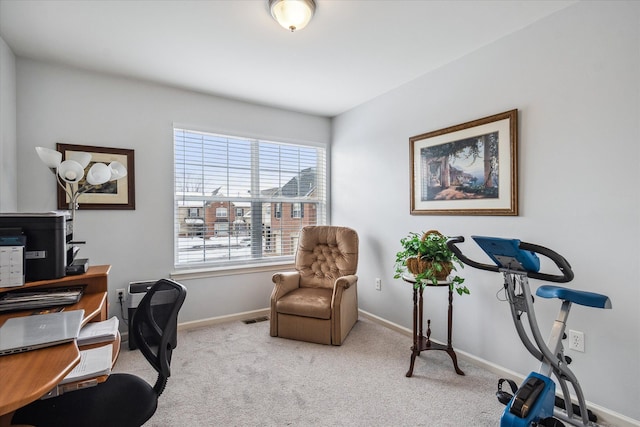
(463, 169)
(468, 169)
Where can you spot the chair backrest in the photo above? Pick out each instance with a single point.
(154, 326)
(325, 253)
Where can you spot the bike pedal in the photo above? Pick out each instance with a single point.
(503, 396)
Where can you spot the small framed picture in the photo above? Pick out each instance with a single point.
(119, 194)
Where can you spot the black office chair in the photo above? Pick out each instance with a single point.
(123, 399)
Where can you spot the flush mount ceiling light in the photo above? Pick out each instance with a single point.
(292, 14)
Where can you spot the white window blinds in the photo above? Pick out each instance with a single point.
(252, 198)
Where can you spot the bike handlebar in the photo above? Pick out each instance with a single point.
(558, 260)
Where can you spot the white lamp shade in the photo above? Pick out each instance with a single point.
(80, 157)
(117, 170)
(49, 157)
(292, 14)
(98, 174)
(70, 171)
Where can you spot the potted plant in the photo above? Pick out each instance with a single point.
(429, 259)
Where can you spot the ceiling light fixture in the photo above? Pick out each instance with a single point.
(292, 14)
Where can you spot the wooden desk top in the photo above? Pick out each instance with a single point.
(28, 376)
(22, 386)
(49, 366)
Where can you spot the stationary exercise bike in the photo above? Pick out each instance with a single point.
(534, 403)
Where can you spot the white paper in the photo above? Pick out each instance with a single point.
(93, 363)
(95, 332)
(11, 266)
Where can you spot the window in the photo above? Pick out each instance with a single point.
(296, 210)
(221, 212)
(235, 184)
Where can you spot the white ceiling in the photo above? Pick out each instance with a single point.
(351, 52)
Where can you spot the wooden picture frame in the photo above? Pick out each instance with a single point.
(118, 194)
(467, 169)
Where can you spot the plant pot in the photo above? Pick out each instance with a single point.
(417, 266)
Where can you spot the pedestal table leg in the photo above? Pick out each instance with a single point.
(414, 349)
(450, 351)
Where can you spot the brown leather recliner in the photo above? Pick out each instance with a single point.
(319, 301)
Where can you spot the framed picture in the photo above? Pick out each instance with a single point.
(467, 169)
(119, 194)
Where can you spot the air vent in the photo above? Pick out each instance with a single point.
(255, 320)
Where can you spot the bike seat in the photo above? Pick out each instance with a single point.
(589, 299)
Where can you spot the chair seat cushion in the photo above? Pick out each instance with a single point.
(122, 400)
(307, 302)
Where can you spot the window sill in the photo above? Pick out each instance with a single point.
(203, 273)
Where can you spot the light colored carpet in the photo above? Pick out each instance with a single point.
(235, 374)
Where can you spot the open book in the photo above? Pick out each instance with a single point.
(93, 363)
(95, 332)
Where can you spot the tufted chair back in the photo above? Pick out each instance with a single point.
(326, 253)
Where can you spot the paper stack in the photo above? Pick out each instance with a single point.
(95, 332)
(93, 363)
(27, 300)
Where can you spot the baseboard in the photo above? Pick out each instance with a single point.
(604, 415)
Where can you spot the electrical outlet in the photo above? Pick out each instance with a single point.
(120, 294)
(576, 341)
(378, 284)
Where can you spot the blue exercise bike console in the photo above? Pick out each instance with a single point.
(535, 403)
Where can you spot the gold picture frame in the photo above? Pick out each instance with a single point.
(118, 194)
(466, 169)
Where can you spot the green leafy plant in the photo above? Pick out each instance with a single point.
(429, 259)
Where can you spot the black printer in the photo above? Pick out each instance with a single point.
(46, 242)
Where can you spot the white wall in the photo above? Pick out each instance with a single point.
(8, 158)
(575, 79)
(58, 104)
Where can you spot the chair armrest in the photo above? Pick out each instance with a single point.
(346, 281)
(344, 306)
(284, 283)
(341, 285)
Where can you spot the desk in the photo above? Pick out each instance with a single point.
(424, 343)
(28, 376)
